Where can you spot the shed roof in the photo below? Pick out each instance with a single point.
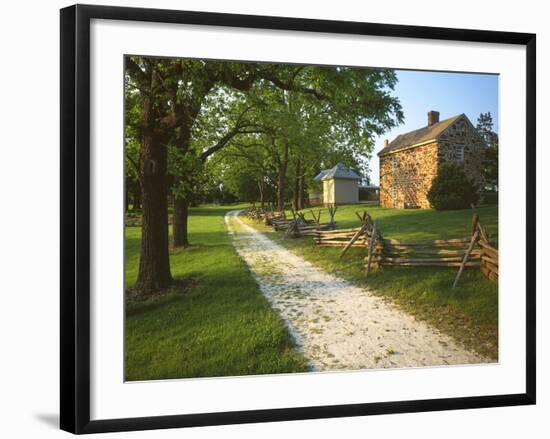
(421, 135)
(320, 175)
(338, 171)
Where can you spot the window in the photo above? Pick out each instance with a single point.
(459, 154)
(394, 163)
(394, 192)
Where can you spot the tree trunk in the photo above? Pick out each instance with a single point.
(298, 205)
(136, 196)
(281, 180)
(262, 192)
(126, 192)
(301, 192)
(179, 222)
(181, 203)
(154, 265)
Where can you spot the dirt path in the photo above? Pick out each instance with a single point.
(338, 325)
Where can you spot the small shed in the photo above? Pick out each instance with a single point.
(340, 185)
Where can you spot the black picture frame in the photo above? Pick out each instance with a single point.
(75, 217)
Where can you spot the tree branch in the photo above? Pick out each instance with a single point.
(133, 162)
(292, 86)
(224, 141)
(135, 69)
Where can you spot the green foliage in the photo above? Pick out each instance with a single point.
(323, 114)
(132, 146)
(484, 127)
(213, 322)
(489, 198)
(451, 189)
(490, 166)
(244, 184)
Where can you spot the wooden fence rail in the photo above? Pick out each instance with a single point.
(296, 226)
(489, 260)
(473, 252)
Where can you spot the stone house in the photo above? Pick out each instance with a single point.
(410, 162)
(340, 185)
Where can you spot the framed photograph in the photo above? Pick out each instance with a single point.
(268, 218)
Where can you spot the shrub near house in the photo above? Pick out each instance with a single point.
(451, 189)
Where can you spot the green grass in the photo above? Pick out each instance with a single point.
(213, 322)
(415, 224)
(469, 312)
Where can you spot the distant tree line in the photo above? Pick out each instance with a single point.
(485, 127)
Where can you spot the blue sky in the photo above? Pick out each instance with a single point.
(448, 93)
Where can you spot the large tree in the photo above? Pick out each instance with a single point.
(154, 134)
(188, 84)
(169, 94)
(195, 108)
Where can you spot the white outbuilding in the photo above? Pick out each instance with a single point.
(340, 185)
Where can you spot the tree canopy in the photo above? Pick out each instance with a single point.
(200, 129)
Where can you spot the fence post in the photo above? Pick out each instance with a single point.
(470, 248)
(354, 238)
(332, 212)
(372, 242)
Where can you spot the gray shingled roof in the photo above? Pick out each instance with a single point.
(421, 135)
(338, 171)
(320, 175)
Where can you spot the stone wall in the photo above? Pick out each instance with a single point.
(406, 176)
(463, 135)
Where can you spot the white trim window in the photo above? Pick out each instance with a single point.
(459, 154)
(394, 192)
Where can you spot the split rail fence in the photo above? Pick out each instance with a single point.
(296, 226)
(470, 252)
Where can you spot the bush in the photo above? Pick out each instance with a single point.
(490, 198)
(451, 189)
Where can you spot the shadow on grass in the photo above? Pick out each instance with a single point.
(219, 211)
(222, 326)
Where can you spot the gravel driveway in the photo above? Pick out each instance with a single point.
(336, 324)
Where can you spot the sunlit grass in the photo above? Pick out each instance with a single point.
(214, 322)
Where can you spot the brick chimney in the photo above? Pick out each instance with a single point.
(386, 143)
(433, 117)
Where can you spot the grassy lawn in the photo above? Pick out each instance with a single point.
(213, 322)
(469, 313)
